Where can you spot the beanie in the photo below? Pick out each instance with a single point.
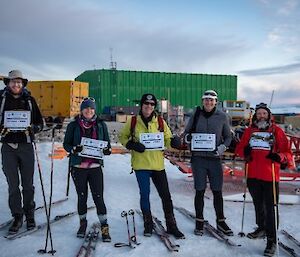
(148, 97)
(88, 102)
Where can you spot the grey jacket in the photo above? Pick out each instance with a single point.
(217, 123)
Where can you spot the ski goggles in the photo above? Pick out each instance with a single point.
(89, 98)
(210, 94)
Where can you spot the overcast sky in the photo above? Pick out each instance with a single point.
(257, 40)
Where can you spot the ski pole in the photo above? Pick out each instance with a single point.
(242, 234)
(69, 175)
(133, 238)
(124, 214)
(52, 251)
(275, 207)
(43, 192)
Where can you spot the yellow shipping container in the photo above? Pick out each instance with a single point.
(58, 98)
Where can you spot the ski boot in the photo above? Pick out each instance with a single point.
(257, 233)
(82, 228)
(105, 233)
(223, 227)
(199, 229)
(16, 224)
(148, 224)
(172, 227)
(271, 247)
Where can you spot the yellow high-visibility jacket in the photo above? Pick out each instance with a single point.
(148, 160)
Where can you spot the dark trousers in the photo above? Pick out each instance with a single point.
(17, 162)
(218, 204)
(160, 182)
(263, 200)
(94, 178)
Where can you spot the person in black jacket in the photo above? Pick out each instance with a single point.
(86, 169)
(17, 149)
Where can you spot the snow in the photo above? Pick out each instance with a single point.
(121, 193)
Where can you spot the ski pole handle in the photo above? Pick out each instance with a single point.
(123, 214)
(131, 212)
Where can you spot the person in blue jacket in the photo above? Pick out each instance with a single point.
(86, 170)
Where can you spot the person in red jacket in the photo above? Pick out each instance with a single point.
(266, 149)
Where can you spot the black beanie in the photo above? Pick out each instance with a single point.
(147, 97)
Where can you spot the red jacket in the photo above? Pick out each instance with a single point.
(260, 167)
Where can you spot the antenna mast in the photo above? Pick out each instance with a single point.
(113, 65)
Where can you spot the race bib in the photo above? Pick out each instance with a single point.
(261, 140)
(153, 141)
(17, 120)
(92, 148)
(203, 142)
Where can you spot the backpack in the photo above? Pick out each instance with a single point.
(134, 120)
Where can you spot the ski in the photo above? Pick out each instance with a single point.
(288, 249)
(90, 240)
(290, 237)
(43, 225)
(160, 231)
(209, 228)
(7, 223)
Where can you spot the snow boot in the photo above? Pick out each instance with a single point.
(30, 221)
(172, 227)
(257, 233)
(82, 228)
(16, 224)
(199, 229)
(223, 227)
(271, 247)
(105, 233)
(148, 224)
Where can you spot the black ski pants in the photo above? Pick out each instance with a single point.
(19, 163)
(263, 200)
(94, 178)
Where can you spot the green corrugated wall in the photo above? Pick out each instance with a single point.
(123, 88)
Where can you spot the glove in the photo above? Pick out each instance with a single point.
(274, 157)
(34, 128)
(136, 146)
(221, 149)
(107, 151)
(188, 138)
(77, 149)
(176, 142)
(247, 153)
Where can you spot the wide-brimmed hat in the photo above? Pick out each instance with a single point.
(15, 74)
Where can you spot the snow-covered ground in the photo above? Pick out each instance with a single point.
(121, 193)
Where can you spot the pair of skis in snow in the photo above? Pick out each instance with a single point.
(132, 236)
(223, 238)
(161, 232)
(7, 223)
(56, 219)
(88, 246)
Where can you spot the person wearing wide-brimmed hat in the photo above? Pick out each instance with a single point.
(209, 132)
(265, 148)
(87, 170)
(17, 149)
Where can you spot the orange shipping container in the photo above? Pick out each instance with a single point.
(58, 98)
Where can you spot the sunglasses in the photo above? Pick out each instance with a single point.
(89, 98)
(149, 103)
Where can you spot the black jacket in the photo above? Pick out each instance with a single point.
(21, 103)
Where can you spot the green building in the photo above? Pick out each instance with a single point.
(111, 87)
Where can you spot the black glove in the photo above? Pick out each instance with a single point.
(34, 128)
(107, 151)
(274, 157)
(189, 138)
(77, 149)
(136, 146)
(176, 142)
(247, 153)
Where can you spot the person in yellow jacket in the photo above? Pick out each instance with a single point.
(146, 137)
